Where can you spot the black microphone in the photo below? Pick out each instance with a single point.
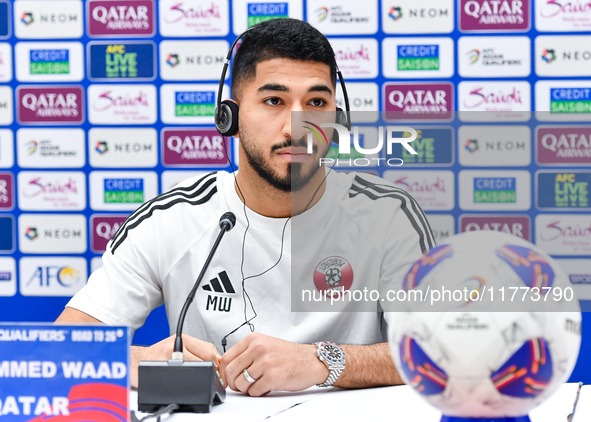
(193, 386)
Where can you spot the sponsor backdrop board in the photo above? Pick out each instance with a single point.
(106, 103)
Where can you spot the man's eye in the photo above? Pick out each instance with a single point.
(273, 101)
(318, 102)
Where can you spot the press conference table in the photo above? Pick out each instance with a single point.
(397, 404)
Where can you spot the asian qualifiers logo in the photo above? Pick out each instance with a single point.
(345, 143)
(473, 55)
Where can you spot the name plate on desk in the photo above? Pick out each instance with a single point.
(57, 373)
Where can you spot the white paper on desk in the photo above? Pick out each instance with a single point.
(239, 407)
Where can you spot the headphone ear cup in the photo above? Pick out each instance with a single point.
(342, 118)
(226, 118)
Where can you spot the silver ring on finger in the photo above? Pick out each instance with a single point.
(248, 377)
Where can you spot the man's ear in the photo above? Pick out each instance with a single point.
(226, 118)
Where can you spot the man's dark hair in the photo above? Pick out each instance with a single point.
(280, 39)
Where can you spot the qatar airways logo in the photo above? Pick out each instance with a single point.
(480, 97)
(107, 99)
(111, 18)
(181, 12)
(491, 15)
(52, 105)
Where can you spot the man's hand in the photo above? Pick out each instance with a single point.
(277, 365)
(193, 349)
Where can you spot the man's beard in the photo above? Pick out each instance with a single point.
(294, 180)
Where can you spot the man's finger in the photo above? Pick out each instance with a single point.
(190, 356)
(233, 370)
(202, 349)
(261, 387)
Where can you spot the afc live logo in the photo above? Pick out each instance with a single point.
(562, 190)
(221, 285)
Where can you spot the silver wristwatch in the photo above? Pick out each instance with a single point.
(333, 356)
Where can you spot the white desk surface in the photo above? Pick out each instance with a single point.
(400, 402)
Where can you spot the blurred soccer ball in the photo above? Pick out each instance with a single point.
(481, 355)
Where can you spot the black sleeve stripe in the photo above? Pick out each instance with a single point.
(173, 192)
(178, 200)
(415, 206)
(403, 206)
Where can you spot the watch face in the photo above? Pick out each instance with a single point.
(332, 353)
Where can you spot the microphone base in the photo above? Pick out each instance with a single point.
(193, 386)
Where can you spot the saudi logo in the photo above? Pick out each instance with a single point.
(315, 129)
(472, 145)
(31, 147)
(548, 55)
(27, 18)
(173, 60)
(395, 13)
(322, 13)
(101, 147)
(31, 233)
(473, 55)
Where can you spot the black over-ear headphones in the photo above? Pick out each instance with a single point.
(226, 112)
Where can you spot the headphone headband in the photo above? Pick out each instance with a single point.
(226, 112)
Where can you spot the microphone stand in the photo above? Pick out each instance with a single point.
(191, 386)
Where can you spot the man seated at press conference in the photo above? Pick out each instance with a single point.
(282, 65)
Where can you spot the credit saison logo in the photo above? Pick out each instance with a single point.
(563, 190)
(495, 190)
(194, 103)
(123, 191)
(261, 12)
(570, 100)
(418, 57)
(345, 143)
(49, 62)
(125, 61)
